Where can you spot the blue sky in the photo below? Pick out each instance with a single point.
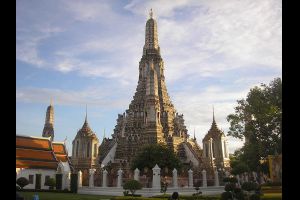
(87, 52)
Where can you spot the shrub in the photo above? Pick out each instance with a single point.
(250, 186)
(233, 180)
(226, 196)
(238, 194)
(163, 187)
(230, 180)
(18, 188)
(229, 187)
(226, 179)
(51, 183)
(255, 197)
(22, 182)
(132, 186)
(126, 193)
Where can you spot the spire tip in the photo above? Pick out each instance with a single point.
(151, 13)
(213, 114)
(85, 112)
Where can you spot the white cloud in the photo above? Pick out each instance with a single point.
(106, 96)
(93, 10)
(165, 8)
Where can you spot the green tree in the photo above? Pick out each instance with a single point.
(237, 163)
(22, 182)
(51, 183)
(258, 119)
(132, 186)
(158, 154)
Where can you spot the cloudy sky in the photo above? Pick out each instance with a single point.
(87, 52)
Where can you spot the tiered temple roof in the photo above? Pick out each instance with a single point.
(60, 151)
(34, 152)
(39, 153)
(214, 131)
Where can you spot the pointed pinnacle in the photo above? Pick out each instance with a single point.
(213, 114)
(85, 112)
(151, 13)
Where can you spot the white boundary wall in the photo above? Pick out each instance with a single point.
(44, 172)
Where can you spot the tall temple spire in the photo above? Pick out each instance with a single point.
(151, 38)
(48, 130)
(151, 117)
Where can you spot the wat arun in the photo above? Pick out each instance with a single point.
(151, 117)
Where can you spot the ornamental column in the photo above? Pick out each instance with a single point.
(217, 178)
(79, 180)
(136, 174)
(104, 182)
(119, 183)
(204, 179)
(91, 179)
(191, 184)
(156, 177)
(175, 183)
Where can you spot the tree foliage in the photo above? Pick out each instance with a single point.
(132, 186)
(158, 154)
(22, 182)
(51, 183)
(258, 119)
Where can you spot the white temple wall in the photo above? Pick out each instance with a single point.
(44, 172)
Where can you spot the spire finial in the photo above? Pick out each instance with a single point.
(194, 134)
(104, 134)
(151, 13)
(51, 101)
(213, 113)
(85, 112)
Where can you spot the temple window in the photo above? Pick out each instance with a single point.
(88, 150)
(213, 149)
(206, 150)
(46, 179)
(77, 148)
(30, 179)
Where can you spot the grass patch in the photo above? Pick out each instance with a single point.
(62, 196)
(273, 196)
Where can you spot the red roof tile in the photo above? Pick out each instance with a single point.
(34, 154)
(31, 142)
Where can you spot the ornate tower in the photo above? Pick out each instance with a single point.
(215, 152)
(151, 117)
(48, 130)
(85, 150)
